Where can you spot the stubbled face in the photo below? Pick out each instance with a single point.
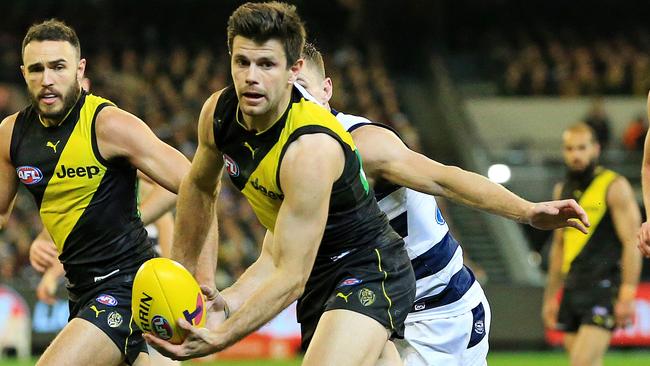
(261, 77)
(310, 79)
(52, 71)
(579, 149)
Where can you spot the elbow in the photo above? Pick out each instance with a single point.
(295, 285)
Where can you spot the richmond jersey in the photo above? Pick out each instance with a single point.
(592, 259)
(87, 204)
(253, 159)
(445, 287)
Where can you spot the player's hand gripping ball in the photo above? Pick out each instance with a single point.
(163, 291)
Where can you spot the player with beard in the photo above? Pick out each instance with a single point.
(599, 271)
(78, 154)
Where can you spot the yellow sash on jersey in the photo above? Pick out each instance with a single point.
(594, 201)
(67, 196)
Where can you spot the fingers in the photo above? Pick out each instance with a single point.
(184, 324)
(644, 239)
(580, 212)
(209, 292)
(42, 255)
(578, 225)
(165, 348)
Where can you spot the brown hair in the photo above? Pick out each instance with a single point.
(52, 30)
(263, 21)
(311, 54)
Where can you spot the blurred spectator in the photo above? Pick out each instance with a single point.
(634, 135)
(598, 120)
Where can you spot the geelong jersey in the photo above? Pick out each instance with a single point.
(252, 160)
(444, 286)
(592, 259)
(87, 204)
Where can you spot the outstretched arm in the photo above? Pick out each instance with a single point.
(307, 183)
(385, 156)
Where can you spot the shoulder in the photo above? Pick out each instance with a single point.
(302, 149)
(6, 130)
(620, 190)
(300, 160)
(8, 122)
(112, 119)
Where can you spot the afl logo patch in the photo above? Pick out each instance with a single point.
(231, 167)
(439, 219)
(106, 300)
(161, 327)
(29, 174)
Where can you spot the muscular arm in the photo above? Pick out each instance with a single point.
(196, 207)
(121, 134)
(8, 178)
(252, 278)
(385, 156)
(307, 180)
(627, 219)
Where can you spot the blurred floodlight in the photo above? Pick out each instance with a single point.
(499, 173)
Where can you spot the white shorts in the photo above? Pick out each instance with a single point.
(455, 341)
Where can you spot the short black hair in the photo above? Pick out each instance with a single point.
(51, 30)
(263, 21)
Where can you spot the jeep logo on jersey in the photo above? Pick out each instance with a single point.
(29, 174)
(265, 191)
(231, 167)
(82, 171)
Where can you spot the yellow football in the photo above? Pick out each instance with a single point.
(164, 291)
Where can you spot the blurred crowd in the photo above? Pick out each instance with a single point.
(166, 88)
(564, 62)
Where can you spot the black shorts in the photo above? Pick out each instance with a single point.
(108, 307)
(377, 282)
(591, 305)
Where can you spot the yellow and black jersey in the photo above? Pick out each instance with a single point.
(252, 160)
(87, 204)
(592, 259)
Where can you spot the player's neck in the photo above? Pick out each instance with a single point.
(263, 122)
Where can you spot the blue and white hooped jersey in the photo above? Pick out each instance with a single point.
(445, 286)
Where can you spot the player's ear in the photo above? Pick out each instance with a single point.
(81, 69)
(295, 70)
(328, 88)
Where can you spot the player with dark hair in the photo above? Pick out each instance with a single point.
(327, 244)
(599, 271)
(77, 154)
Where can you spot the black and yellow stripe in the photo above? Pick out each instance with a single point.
(590, 259)
(87, 204)
(253, 162)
